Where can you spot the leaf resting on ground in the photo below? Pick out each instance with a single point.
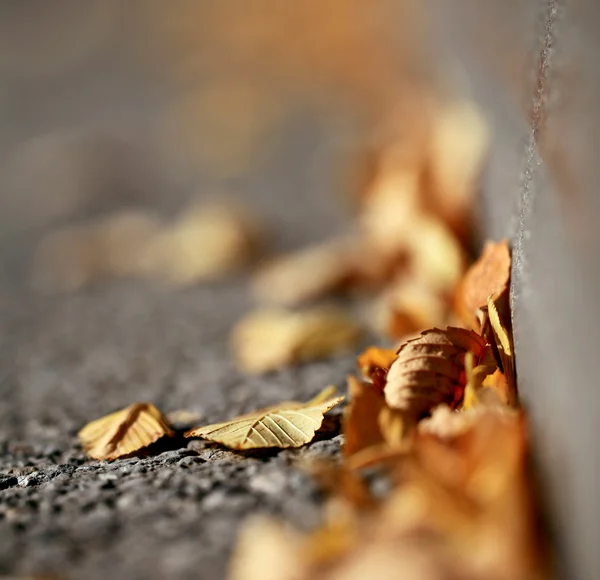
(289, 424)
(124, 431)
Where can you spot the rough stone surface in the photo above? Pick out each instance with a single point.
(173, 513)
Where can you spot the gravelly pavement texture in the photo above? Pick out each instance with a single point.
(172, 514)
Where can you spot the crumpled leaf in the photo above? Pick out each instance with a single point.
(269, 339)
(488, 276)
(289, 424)
(430, 371)
(124, 432)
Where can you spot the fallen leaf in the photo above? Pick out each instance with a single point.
(290, 424)
(504, 345)
(124, 431)
(488, 276)
(361, 417)
(207, 242)
(269, 339)
(429, 370)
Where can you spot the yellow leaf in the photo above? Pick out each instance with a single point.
(124, 432)
(289, 424)
(503, 338)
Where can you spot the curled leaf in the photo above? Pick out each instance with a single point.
(272, 338)
(289, 424)
(430, 371)
(124, 432)
(488, 276)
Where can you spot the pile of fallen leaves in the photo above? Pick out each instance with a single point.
(433, 481)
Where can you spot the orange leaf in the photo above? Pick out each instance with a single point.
(489, 275)
(361, 427)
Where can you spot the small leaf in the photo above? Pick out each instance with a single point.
(124, 432)
(289, 424)
(489, 275)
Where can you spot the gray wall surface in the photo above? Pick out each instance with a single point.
(533, 66)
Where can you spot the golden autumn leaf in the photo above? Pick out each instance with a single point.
(289, 424)
(124, 431)
(488, 276)
(430, 371)
(269, 339)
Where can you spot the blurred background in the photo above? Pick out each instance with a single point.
(117, 118)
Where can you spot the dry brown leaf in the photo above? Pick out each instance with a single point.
(429, 370)
(124, 432)
(488, 276)
(269, 339)
(207, 242)
(289, 424)
(361, 417)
